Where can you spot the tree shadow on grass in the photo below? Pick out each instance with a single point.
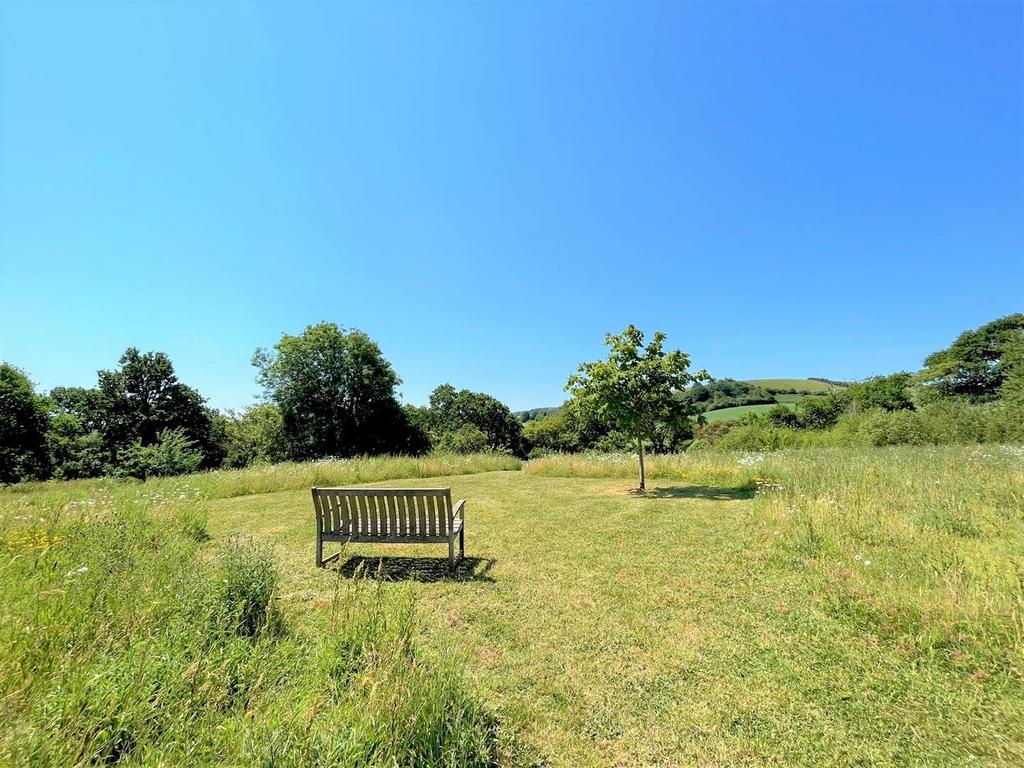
(707, 492)
(422, 569)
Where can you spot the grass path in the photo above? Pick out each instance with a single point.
(673, 629)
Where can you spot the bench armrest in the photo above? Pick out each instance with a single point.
(458, 510)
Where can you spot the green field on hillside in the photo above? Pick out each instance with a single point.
(802, 608)
(725, 414)
(793, 398)
(801, 385)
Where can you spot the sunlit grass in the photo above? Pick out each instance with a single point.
(804, 607)
(270, 478)
(127, 637)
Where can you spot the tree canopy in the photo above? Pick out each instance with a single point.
(336, 394)
(23, 426)
(889, 393)
(973, 367)
(452, 411)
(143, 399)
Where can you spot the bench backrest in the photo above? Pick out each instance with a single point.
(412, 513)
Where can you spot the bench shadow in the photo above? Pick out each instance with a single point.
(707, 492)
(422, 569)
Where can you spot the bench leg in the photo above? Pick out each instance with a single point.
(319, 551)
(451, 551)
(462, 542)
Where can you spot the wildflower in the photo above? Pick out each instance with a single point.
(857, 557)
(867, 562)
(76, 571)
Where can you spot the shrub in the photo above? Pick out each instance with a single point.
(253, 436)
(172, 454)
(466, 439)
(549, 433)
(894, 428)
(821, 412)
(781, 416)
(758, 436)
(75, 455)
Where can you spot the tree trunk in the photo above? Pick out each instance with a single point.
(640, 451)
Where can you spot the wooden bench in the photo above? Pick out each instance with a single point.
(388, 516)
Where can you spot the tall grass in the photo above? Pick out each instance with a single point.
(695, 467)
(123, 644)
(269, 478)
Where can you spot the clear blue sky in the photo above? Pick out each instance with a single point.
(802, 189)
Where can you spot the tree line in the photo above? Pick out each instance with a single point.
(328, 392)
(971, 391)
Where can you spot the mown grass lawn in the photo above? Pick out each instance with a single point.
(856, 608)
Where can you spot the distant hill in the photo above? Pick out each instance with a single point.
(813, 386)
(535, 413)
(786, 391)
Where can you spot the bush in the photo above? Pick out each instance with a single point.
(821, 412)
(759, 436)
(75, 455)
(253, 436)
(898, 427)
(172, 454)
(783, 417)
(549, 433)
(466, 439)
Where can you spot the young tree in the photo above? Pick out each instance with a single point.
(336, 393)
(23, 425)
(637, 387)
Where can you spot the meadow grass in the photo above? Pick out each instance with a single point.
(270, 478)
(129, 638)
(805, 607)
